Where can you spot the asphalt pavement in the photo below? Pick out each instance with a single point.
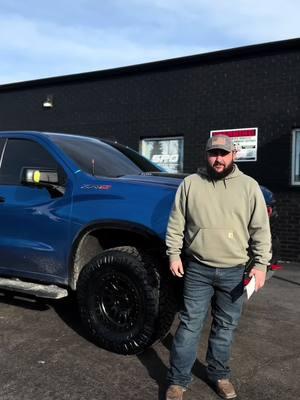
(45, 355)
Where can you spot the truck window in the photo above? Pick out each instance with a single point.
(98, 158)
(20, 153)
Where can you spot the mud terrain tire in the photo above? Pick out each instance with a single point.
(122, 301)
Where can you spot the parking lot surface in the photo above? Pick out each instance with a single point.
(45, 355)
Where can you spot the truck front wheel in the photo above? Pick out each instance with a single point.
(119, 301)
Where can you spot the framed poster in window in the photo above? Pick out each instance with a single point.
(167, 152)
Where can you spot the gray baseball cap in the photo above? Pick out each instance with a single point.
(221, 142)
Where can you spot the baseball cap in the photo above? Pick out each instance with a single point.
(221, 142)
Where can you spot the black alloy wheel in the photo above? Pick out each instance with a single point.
(118, 302)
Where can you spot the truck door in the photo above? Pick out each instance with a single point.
(34, 222)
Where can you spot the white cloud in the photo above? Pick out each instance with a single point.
(47, 49)
(43, 40)
(257, 20)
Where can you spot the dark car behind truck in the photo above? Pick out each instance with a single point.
(88, 216)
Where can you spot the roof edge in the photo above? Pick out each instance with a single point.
(219, 55)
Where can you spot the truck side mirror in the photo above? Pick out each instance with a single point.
(39, 176)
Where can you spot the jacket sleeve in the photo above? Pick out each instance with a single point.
(259, 230)
(176, 224)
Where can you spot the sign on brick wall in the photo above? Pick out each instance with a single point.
(244, 141)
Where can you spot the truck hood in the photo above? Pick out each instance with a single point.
(156, 178)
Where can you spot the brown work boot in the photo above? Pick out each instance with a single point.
(175, 392)
(225, 389)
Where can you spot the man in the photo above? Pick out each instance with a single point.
(217, 213)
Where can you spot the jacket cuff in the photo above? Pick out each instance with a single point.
(260, 267)
(174, 257)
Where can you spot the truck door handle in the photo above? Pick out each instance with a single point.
(2, 199)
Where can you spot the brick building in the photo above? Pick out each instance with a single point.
(176, 104)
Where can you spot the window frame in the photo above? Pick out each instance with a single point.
(295, 164)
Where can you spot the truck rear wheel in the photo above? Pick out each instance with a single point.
(122, 302)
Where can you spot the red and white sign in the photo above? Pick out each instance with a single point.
(244, 141)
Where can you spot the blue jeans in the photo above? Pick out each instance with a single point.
(222, 288)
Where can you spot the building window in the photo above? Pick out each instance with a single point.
(167, 152)
(296, 158)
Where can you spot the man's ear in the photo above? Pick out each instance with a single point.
(234, 154)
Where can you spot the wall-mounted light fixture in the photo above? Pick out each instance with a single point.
(48, 103)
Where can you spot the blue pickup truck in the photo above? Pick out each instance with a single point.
(84, 215)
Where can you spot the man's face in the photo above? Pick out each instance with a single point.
(220, 162)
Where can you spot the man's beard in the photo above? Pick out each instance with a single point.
(215, 175)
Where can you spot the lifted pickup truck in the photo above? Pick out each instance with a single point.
(84, 215)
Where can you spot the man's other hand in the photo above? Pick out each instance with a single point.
(260, 277)
(176, 268)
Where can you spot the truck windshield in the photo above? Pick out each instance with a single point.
(102, 158)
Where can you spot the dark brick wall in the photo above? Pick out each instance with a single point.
(288, 225)
(260, 91)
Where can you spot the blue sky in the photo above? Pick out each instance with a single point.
(39, 39)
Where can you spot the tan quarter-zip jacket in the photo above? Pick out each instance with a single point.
(215, 222)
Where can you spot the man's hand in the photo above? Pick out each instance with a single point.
(260, 278)
(176, 268)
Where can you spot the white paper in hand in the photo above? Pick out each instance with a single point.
(250, 288)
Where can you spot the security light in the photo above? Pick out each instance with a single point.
(48, 103)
